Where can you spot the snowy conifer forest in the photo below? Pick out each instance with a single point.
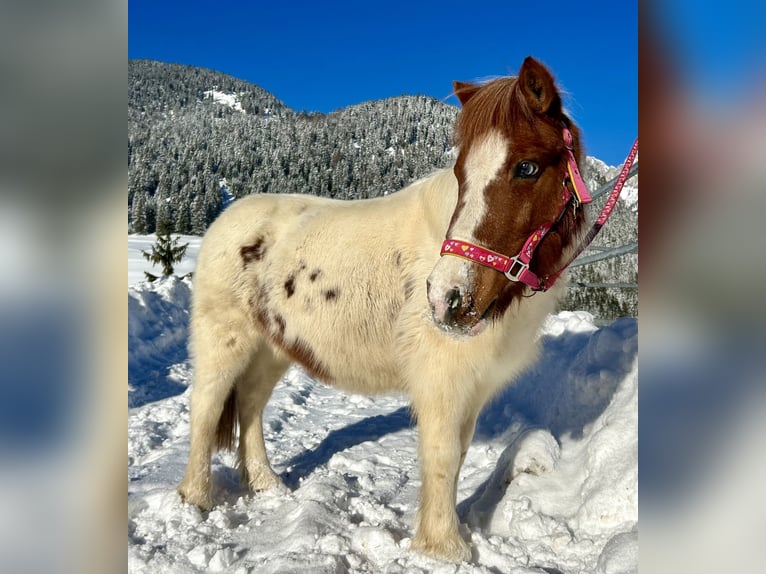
(197, 139)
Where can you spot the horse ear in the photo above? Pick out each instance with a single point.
(464, 91)
(537, 85)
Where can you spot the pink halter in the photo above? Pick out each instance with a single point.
(516, 268)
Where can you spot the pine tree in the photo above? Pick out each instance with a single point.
(138, 212)
(166, 252)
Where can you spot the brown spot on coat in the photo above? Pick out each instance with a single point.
(300, 352)
(254, 252)
(331, 294)
(290, 286)
(274, 327)
(290, 281)
(315, 274)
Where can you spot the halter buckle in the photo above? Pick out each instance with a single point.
(516, 264)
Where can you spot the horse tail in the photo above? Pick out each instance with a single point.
(224, 432)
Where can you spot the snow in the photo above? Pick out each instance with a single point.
(230, 100)
(549, 483)
(629, 194)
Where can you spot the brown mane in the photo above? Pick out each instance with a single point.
(496, 103)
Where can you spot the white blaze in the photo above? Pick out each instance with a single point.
(484, 160)
(481, 166)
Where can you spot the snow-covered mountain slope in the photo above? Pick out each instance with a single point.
(230, 100)
(596, 173)
(549, 483)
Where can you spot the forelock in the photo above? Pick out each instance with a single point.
(497, 104)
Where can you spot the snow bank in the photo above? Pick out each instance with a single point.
(549, 483)
(158, 325)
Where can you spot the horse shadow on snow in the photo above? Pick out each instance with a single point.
(568, 387)
(338, 440)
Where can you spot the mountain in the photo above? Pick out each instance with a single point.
(199, 138)
(191, 129)
(157, 88)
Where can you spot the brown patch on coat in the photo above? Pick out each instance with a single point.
(254, 252)
(315, 274)
(330, 294)
(300, 352)
(274, 327)
(291, 279)
(290, 286)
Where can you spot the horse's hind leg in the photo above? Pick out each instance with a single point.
(253, 391)
(222, 354)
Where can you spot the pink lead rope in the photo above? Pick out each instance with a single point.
(606, 211)
(517, 268)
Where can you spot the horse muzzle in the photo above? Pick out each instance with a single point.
(454, 308)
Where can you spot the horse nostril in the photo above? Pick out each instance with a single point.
(453, 299)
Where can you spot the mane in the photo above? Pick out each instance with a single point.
(498, 103)
(489, 107)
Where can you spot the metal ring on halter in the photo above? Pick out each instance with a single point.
(521, 268)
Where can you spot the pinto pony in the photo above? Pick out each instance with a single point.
(368, 296)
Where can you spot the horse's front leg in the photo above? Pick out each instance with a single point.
(440, 429)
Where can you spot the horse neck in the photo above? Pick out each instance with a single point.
(439, 198)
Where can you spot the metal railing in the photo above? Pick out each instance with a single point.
(602, 252)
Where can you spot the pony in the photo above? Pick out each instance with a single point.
(366, 296)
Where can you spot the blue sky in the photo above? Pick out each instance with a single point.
(321, 56)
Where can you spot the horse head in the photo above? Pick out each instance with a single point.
(512, 173)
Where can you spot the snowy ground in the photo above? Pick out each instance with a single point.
(549, 484)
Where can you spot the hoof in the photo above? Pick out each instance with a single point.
(195, 497)
(450, 549)
(262, 478)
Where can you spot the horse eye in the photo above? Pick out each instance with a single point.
(526, 169)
